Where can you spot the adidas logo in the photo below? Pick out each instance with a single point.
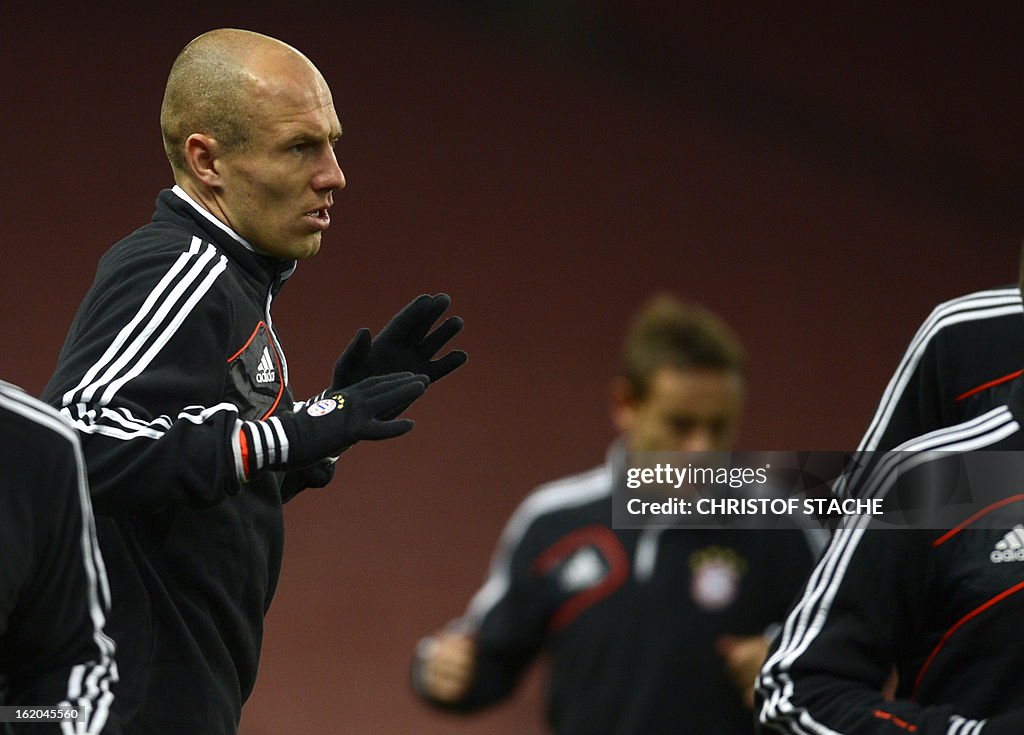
(1010, 547)
(265, 372)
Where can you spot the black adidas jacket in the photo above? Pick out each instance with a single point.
(172, 346)
(53, 590)
(941, 606)
(628, 617)
(936, 606)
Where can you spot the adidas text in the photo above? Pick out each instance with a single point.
(1010, 547)
(1000, 555)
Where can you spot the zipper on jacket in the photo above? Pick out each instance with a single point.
(281, 273)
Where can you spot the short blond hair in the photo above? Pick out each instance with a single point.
(668, 332)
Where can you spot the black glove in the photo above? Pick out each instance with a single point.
(324, 428)
(403, 345)
(318, 474)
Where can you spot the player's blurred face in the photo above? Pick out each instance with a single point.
(277, 191)
(684, 411)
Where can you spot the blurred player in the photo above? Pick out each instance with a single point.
(651, 631)
(53, 588)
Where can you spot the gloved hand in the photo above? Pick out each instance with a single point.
(403, 345)
(318, 474)
(324, 428)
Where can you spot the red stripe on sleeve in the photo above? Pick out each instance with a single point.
(243, 446)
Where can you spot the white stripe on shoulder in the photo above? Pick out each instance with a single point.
(569, 492)
(121, 360)
(989, 304)
(169, 331)
(147, 307)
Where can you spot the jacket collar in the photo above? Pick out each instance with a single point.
(174, 205)
(205, 214)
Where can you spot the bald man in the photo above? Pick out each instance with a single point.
(175, 378)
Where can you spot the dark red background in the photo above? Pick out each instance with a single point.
(819, 181)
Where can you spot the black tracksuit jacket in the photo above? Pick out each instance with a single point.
(172, 346)
(53, 590)
(942, 607)
(629, 618)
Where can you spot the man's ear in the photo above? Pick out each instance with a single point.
(622, 405)
(202, 159)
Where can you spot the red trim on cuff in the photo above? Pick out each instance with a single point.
(243, 448)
